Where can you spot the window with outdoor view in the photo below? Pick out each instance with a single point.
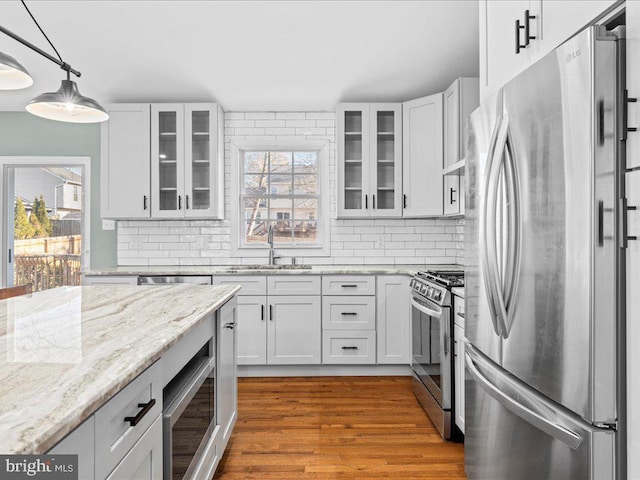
(282, 189)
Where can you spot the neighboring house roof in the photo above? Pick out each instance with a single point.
(65, 175)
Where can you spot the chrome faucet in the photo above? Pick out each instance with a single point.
(272, 257)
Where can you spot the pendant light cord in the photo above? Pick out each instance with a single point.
(42, 31)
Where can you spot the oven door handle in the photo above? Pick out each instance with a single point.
(425, 309)
(174, 410)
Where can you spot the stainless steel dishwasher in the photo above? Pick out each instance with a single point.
(174, 279)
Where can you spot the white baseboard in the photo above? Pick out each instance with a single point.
(322, 370)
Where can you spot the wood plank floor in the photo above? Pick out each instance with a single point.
(335, 428)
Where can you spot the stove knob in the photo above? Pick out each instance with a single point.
(429, 291)
(423, 289)
(437, 295)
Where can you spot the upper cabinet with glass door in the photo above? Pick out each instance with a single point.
(186, 161)
(369, 160)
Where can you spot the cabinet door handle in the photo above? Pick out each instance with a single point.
(262, 312)
(186, 199)
(133, 421)
(230, 325)
(179, 202)
(271, 313)
(519, 46)
(144, 202)
(404, 201)
(451, 192)
(527, 27)
(374, 202)
(349, 347)
(348, 313)
(366, 202)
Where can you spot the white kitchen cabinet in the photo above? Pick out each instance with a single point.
(227, 369)
(460, 99)
(349, 347)
(451, 195)
(80, 442)
(144, 460)
(555, 21)
(393, 319)
(294, 330)
(348, 312)
(252, 330)
(186, 163)
(125, 174)
(369, 138)
(422, 156)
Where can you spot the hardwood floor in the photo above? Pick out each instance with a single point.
(335, 428)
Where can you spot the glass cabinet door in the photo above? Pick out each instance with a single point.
(201, 147)
(386, 160)
(353, 177)
(167, 160)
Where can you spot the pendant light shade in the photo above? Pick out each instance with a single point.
(13, 76)
(67, 105)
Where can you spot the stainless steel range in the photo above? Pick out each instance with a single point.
(432, 349)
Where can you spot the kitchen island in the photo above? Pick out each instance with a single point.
(65, 352)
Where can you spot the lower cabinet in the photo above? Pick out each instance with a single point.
(252, 330)
(394, 319)
(227, 375)
(144, 460)
(349, 347)
(294, 330)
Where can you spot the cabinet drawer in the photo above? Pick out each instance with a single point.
(349, 285)
(251, 284)
(349, 347)
(348, 313)
(144, 460)
(115, 436)
(293, 285)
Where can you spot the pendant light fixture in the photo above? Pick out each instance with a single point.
(64, 105)
(13, 76)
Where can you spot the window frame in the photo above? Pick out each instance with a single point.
(240, 248)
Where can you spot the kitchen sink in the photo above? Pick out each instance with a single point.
(242, 268)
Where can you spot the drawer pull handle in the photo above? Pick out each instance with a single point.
(133, 421)
(349, 285)
(460, 314)
(349, 313)
(346, 347)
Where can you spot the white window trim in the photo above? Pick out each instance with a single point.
(33, 161)
(322, 249)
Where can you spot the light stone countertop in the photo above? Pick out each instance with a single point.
(243, 270)
(459, 291)
(65, 352)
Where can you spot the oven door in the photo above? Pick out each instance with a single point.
(431, 352)
(188, 422)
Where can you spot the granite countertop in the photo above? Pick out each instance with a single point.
(254, 270)
(65, 352)
(459, 291)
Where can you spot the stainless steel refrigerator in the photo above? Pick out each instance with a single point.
(543, 360)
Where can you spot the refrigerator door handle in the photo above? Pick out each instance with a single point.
(559, 432)
(494, 279)
(484, 244)
(514, 232)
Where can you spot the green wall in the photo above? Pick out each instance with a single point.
(22, 134)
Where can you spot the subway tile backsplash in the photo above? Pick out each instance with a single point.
(353, 242)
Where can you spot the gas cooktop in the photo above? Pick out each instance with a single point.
(450, 278)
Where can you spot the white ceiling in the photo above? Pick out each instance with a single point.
(247, 55)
